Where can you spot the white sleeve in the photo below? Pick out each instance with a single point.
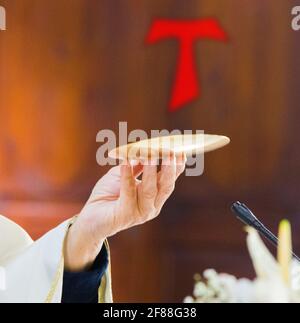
(34, 273)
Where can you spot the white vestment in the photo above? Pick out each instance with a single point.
(32, 272)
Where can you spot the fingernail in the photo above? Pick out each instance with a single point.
(167, 161)
(181, 159)
(125, 162)
(134, 162)
(153, 162)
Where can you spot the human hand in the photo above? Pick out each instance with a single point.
(120, 201)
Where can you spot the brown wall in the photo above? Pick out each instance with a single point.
(71, 68)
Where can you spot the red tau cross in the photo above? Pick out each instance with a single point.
(187, 32)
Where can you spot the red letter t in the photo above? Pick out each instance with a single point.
(186, 87)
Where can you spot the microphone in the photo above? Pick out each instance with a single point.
(245, 215)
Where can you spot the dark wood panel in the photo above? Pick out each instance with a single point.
(71, 68)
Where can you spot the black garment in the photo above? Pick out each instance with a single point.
(83, 287)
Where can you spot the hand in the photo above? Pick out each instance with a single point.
(120, 201)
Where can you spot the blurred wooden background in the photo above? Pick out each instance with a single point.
(71, 68)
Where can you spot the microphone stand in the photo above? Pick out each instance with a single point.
(245, 215)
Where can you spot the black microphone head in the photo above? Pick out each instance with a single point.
(244, 214)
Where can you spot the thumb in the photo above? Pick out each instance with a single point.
(109, 185)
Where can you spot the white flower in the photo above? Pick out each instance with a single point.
(200, 289)
(188, 299)
(276, 282)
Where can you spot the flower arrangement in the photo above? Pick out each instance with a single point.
(277, 281)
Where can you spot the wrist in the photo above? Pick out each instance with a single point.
(80, 250)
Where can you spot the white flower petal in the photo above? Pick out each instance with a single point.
(264, 263)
